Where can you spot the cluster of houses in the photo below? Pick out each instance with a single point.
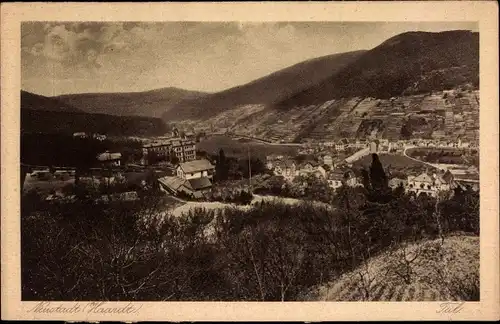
(194, 177)
(335, 175)
(385, 145)
(440, 181)
(340, 175)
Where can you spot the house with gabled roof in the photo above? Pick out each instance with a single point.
(335, 179)
(286, 168)
(195, 169)
(342, 144)
(350, 179)
(109, 159)
(195, 187)
(328, 160)
(430, 184)
(193, 178)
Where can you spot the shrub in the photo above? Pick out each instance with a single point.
(271, 251)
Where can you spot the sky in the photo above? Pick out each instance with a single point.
(81, 57)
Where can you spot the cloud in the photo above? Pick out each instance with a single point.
(164, 52)
(80, 44)
(207, 56)
(267, 37)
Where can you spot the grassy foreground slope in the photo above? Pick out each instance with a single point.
(438, 272)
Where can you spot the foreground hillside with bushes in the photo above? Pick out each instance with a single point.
(271, 251)
(429, 270)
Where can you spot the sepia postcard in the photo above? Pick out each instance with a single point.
(304, 161)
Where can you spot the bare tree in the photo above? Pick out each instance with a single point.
(366, 278)
(441, 196)
(402, 260)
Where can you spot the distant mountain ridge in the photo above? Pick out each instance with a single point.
(371, 95)
(409, 63)
(266, 90)
(152, 103)
(316, 97)
(38, 102)
(40, 114)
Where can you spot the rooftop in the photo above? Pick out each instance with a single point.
(285, 163)
(424, 177)
(172, 182)
(107, 156)
(194, 184)
(198, 183)
(196, 166)
(169, 142)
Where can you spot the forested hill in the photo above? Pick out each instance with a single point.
(266, 90)
(151, 103)
(38, 102)
(409, 63)
(40, 114)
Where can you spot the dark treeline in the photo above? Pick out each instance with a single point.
(66, 150)
(70, 122)
(233, 168)
(271, 252)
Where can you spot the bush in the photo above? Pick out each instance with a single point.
(241, 197)
(271, 251)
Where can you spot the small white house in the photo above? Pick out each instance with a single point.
(286, 169)
(80, 135)
(195, 169)
(109, 159)
(328, 160)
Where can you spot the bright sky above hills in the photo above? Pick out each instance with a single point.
(60, 58)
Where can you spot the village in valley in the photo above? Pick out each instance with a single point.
(185, 171)
(350, 176)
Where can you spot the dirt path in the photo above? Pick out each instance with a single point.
(412, 158)
(211, 205)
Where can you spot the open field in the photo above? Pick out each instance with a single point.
(440, 155)
(233, 147)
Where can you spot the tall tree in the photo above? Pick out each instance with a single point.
(366, 179)
(221, 169)
(173, 158)
(378, 177)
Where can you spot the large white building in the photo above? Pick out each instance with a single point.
(430, 184)
(184, 150)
